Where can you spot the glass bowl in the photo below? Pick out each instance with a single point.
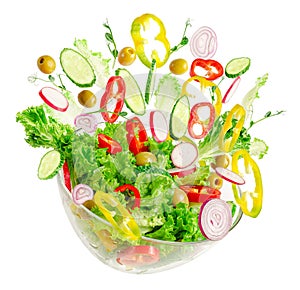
(146, 255)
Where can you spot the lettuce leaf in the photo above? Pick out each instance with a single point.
(99, 64)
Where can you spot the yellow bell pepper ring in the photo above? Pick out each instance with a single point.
(250, 202)
(238, 112)
(117, 215)
(139, 27)
(204, 83)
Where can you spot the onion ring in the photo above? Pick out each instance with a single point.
(203, 43)
(215, 219)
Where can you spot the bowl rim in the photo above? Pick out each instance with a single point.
(157, 241)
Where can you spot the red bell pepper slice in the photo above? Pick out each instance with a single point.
(195, 120)
(213, 68)
(67, 176)
(109, 94)
(200, 193)
(134, 190)
(136, 135)
(112, 145)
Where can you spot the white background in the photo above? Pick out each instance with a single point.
(38, 247)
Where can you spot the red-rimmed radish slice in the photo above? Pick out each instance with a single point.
(82, 193)
(229, 175)
(181, 172)
(54, 99)
(203, 42)
(86, 122)
(141, 255)
(231, 90)
(215, 219)
(159, 126)
(184, 154)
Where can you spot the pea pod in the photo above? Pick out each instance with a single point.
(254, 197)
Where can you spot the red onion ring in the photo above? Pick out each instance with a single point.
(203, 42)
(215, 219)
(86, 122)
(81, 193)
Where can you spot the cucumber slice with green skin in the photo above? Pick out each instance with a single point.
(50, 164)
(133, 97)
(179, 119)
(77, 68)
(237, 66)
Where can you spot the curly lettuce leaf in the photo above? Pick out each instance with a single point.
(99, 64)
(181, 225)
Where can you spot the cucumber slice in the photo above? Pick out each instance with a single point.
(179, 119)
(50, 164)
(237, 67)
(77, 68)
(133, 98)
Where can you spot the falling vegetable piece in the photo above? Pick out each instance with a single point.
(196, 120)
(109, 94)
(81, 193)
(212, 68)
(50, 164)
(229, 175)
(134, 190)
(237, 66)
(249, 201)
(204, 83)
(126, 56)
(215, 219)
(46, 64)
(181, 172)
(113, 146)
(178, 66)
(231, 90)
(204, 42)
(142, 25)
(159, 126)
(184, 154)
(136, 256)
(86, 122)
(117, 215)
(237, 112)
(54, 99)
(87, 99)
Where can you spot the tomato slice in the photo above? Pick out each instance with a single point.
(138, 256)
(200, 193)
(112, 145)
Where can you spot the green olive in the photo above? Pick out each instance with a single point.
(126, 56)
(87, 99)
(46, 64)
(215, 181)
(178, 66)
(144, 158)
(222, 161)
(179, 196)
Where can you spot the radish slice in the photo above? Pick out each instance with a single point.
(229, 175)
(181, 172)
(203, 43)
(54, 99)
(159, 126)
(184, 154)
(231, 90)
(86, 122)
(82, 193)
(215, 219)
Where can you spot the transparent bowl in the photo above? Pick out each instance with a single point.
(146, 256)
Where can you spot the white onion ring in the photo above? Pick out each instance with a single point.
(215, 219)
(86, 122)
(203, 42)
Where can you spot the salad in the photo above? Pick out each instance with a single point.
(150, 152)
